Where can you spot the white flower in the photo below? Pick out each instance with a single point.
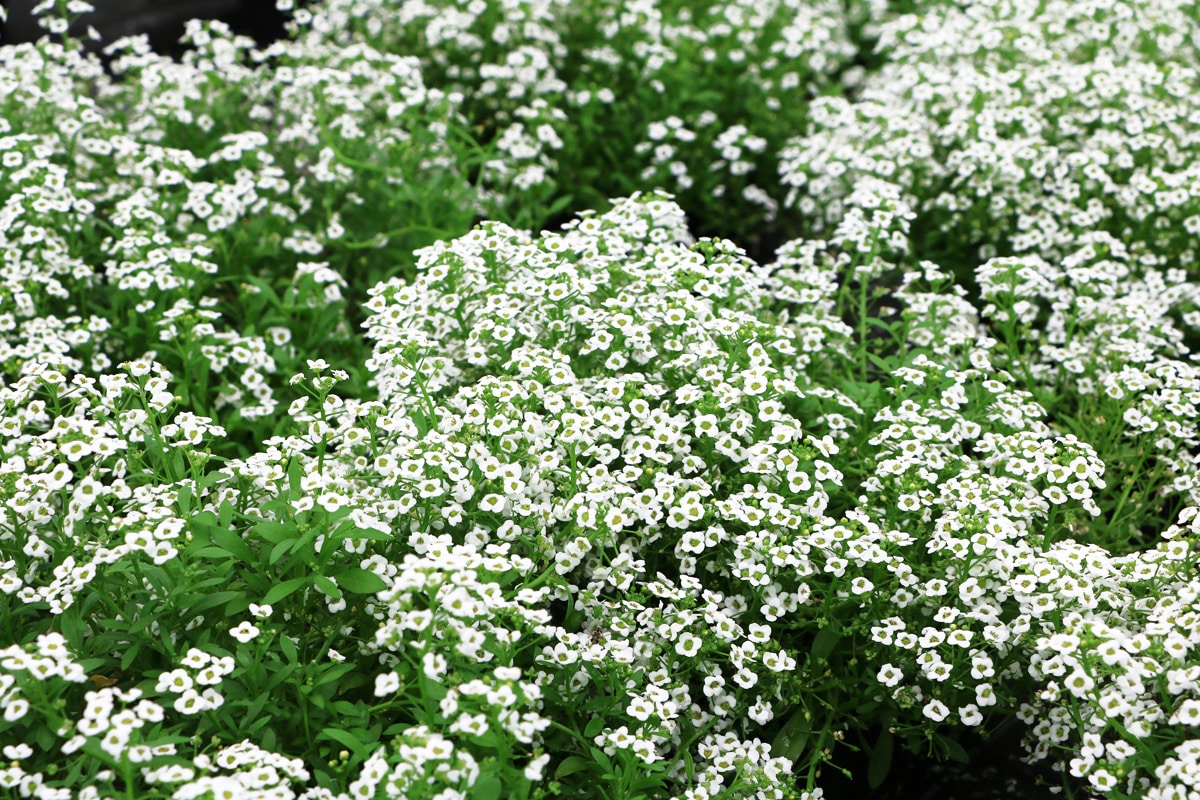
(1188, 713)
(688, 644)
(889, 675)
(534, 769)
(936, 710)
(387, 684)
(15, 709)
(244, 632)
(176, 681)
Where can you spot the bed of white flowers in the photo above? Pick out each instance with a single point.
(335, 465)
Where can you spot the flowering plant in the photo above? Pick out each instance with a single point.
(318, 486)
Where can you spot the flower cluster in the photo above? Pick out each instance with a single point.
(561, 92)
(314, 486)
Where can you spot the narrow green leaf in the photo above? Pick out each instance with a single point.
(232, 543)
(72, 627)
(953, 750)
(226, 517)
(825, 640)
(594, 726)
(884, 364)
(360, 581)
(345, 708)
(183, 498)
(275, 532)
(344, 738)
(327, 586)
(601, 758)
(370, 534)
(570, 766)
(207, 601)
(282, 590)
(793, 736)
(881, 759)
(279, 676)
(236, 605)
(217, 553)
(288, 648)
(130, 656)
(177, 465)
(332, 673)
(279, 551)
(295, 473)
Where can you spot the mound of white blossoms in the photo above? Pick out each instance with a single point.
(654, 427)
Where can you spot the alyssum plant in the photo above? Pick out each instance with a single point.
(615, 526)
(605, 512)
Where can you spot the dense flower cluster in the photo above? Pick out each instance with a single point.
(598, 99)
(315, 486)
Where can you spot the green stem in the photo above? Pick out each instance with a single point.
(862, 326)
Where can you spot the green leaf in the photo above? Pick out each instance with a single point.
(594, 726)
(256, 706)
(370, 534)
(793, 736)
(295, 473)
(825, 640)
(332, 673)
(601, 758)
(226, 518)
(570, 766)
(177, 465)
(952, 749)
(183, 498)
(72, 627)
(130, 656)
(488, 787)
(208, 601)
(282, 590)
(232, 543)
(279, 551)
(44, 737)
(217, 553)
(360, 581)
(236, 605)
(288, 648)
(881, 759)
(327, 586)
(344, 738)
(278, 677)
(276, 532)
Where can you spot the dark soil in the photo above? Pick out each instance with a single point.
(994, 771)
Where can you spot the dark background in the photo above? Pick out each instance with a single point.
(161, 20)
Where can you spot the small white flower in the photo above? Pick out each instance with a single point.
(244, 632)
(387, 684)
(535, 768)
(1188, 713)
(15, 709)
(889, 675)
(936, 710)
(688, 644)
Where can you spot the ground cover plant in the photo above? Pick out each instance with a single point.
(382, 418)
